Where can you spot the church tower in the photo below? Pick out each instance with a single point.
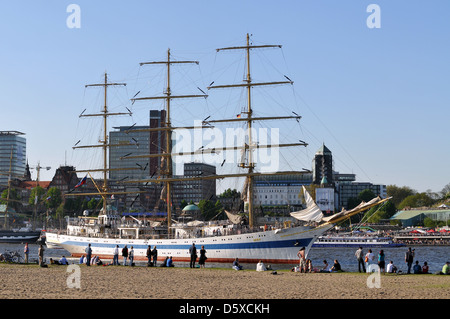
(323, 167)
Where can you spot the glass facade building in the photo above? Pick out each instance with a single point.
(12, 141)
(130, 142)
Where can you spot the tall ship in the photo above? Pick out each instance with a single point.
(223, 240)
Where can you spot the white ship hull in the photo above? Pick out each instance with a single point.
(274, 246)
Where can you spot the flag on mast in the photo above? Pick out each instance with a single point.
(82, 182)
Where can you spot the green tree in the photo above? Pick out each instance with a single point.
(366, 195)
(207, 209)
(93, 204)
(445, 192)
(417, 200)
(428, 222)
(54, 198)
(399, 193)
(36, 191)
(378, 213)
(230, 193)
(218, 207)
(14, 199)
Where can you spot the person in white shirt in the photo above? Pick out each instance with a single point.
(369, 259)
(131, 256)
(116, 256)
(260, 266)
(391, 268)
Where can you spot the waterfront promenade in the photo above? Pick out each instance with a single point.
(114, 282)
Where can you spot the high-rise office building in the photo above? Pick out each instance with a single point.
(130, 142)
(157, 140)
(12, 156)
(197, 190)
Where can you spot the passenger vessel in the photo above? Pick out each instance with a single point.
(245, 241)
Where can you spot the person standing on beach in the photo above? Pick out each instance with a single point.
(381, 261)
(116, 256)
(125, 255)
(155, 255)
(359, 256)
(88, 251)
(41, 255)
(26, 251)
(302, 263)
(131, 256)
(202, 259)
(409, 258)
(149, 256)
(193, 253)
(369, 260)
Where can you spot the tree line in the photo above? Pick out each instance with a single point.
(404, 197)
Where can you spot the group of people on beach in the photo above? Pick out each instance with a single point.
(305, 265)
(368, 263)
(151, 254)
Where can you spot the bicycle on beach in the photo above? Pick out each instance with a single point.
(11, 257)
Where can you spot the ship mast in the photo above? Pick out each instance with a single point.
(168, 128)
(249, 84)
(207, 124)
(103, 143)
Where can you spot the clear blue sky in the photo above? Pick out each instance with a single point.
(378, 98)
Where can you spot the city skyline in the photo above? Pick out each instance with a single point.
(376, 97)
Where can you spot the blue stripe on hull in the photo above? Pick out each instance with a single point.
(247, 245)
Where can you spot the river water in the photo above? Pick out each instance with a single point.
(435, 256)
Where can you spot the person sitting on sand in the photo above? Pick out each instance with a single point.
(336, 267)
(98, 262)
(54, 262)
(445, 269)
(260, 266)
(236, 265)
(416, 268)
(391, 268)
(425, 268)
(63, 261)
(325, 267)
(164, 264)
(170, 262)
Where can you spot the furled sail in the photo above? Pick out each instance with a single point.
(360, 208)
(312, 213)
(234, 218)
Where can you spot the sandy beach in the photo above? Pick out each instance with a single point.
(119, 282)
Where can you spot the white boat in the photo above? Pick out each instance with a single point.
(355, 241)
(271, 246)
(229, 241)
